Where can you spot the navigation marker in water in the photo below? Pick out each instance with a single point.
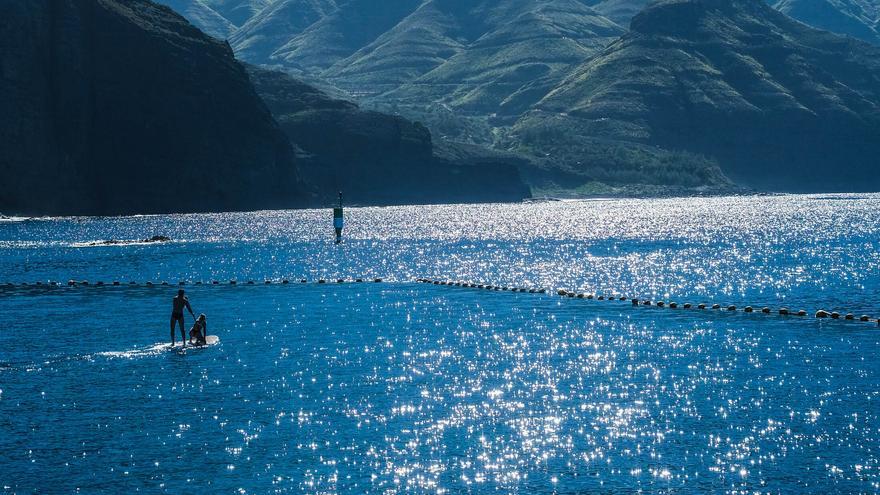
(338, 220)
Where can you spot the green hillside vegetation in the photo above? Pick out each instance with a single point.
(856, 18)
(478, 55)
(378, 158)
(202, 17)
(341, 33)
(275, 25)
(520, 51)
(698, 91)
(620, 11)
(238, 12)
(776, 104)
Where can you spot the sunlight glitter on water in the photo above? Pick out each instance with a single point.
(403, 387)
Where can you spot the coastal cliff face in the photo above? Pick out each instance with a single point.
(115, 107)
(378, 158)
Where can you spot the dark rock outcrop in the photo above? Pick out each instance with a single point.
(114, 107)
(378, 158)
(156, 239)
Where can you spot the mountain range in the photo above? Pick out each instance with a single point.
(857, 18)
(424, 101)
(776, 104)
(90, 126)
(592, 94)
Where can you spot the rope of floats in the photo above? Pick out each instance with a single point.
(116, 283)
(765, 310)
(820, 314)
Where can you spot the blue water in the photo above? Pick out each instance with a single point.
(401, 387)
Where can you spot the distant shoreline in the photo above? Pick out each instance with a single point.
(17, 218)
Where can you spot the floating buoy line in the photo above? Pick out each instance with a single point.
(764, 310)
(232, 282)
(672, 305)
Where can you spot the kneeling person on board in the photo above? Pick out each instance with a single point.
(199, 331)
(178, 304)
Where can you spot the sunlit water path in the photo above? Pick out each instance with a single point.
(410, 388)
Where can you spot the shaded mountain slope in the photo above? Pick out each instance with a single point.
(487, 39)
(275, 25)
(202, 17)
(354, 25)
(856, 18)
(378, 158)
(95, 128)
(238, 12)
(777, 104)
(514, 58)
(619, 11)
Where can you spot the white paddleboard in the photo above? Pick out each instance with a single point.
(210, 340)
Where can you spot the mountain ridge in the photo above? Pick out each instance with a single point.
(766, 96)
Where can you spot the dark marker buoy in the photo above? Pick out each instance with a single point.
(338, 220)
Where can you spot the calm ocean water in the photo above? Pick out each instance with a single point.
(402, 387)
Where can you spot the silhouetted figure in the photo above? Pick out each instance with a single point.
(178, 304)
(198, 334)
(338, 220)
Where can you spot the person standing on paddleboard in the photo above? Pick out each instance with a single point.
(178, 304)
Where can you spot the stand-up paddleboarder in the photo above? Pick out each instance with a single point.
(178, 304)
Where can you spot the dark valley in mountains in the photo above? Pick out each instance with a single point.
(95, 128)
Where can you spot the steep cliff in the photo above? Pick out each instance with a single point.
(113, 107)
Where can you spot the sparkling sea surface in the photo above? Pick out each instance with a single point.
(405, 387)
